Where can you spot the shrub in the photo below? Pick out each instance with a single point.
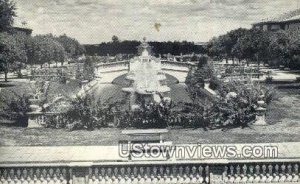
(269, 79)
(150, 115)
(215, 83)
(237, 103)
(86, 113)
(196, 76)
(229, 70)
(16, 109)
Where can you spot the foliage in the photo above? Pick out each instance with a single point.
(149, 115)
(15, 108)
(215, 83)
(273, 48)
(7, 14)
(88, 69)
(10, 53)
(71, 46)
(196, 76)
(223, 46)
(269, 79)
(86, 112)
(115, 39)
(46, 49)
(237, 103)
(129, 47)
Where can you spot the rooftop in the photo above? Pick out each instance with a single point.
(286, 17)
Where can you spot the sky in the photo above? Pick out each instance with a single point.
(95, 21)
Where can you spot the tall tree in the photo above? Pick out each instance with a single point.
(10, 53)
(7, 14)
(253, 46)
(279, 48)
(72, 47)
(115, 39)
(46, 49)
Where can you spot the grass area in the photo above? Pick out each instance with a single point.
(283, 117)
(12, 136)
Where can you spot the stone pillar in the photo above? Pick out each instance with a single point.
(35, 120)
(181, 57)
(35, 116)
(83, 84)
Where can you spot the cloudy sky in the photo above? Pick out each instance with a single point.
(94, 21)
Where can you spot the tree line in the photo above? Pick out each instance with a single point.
(18, 50)
(252, 45)
(116, 46)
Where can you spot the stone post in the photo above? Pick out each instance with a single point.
(84, 84)
(181, 57)
(206, 83)
(35, 116)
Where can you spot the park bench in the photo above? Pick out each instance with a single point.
(151, 137)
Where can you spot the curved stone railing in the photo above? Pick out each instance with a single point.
(182, 64)
(120, 65)
(115, 66)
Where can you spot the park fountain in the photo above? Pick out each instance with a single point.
(146, 76)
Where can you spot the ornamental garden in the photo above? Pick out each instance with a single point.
(236, 82)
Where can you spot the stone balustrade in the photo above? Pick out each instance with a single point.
(149, 174)
(262, 173)
(34, 176)
(48, 118)
(107, 67)
(154, 173)
(184, 64)
(165, 65)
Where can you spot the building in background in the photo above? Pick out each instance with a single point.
(289, 21)
(23, 30)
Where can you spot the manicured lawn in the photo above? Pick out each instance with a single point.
(283, 116)
(13, 136)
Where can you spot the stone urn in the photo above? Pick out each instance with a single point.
(260, 113)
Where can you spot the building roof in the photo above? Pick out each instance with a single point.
(22, 29)
(286, 17)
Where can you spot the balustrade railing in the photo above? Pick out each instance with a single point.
(164, 63)
(149, 174)
(270, 172)
(113, 64)
(34, 175)
(261, 173)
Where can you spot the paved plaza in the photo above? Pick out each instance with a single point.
(88, 155)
